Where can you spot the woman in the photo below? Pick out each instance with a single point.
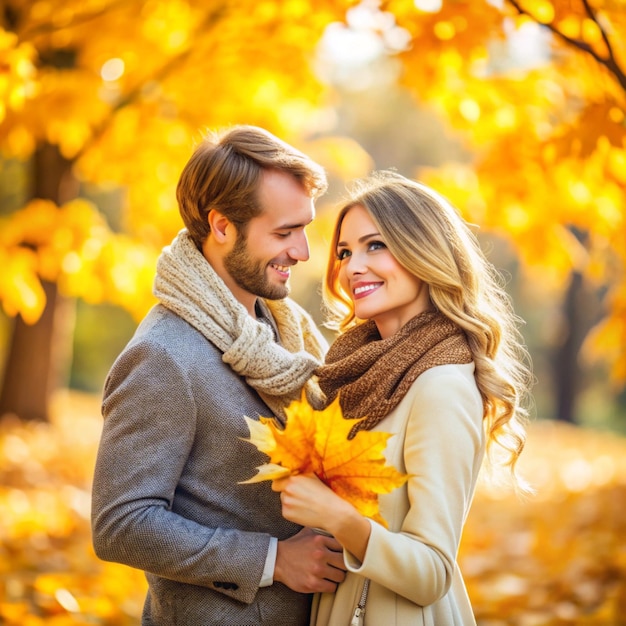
(430, 352)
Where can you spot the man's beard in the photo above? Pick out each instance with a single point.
(249, 273)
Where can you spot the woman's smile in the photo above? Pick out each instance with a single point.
(361, 289)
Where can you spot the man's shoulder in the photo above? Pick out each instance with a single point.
(164, 345)
(164, 330)
(162, 319)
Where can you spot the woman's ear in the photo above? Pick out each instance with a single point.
(218, 223)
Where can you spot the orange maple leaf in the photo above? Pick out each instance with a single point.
(317, 442)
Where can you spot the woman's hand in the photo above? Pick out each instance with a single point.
(307, 501)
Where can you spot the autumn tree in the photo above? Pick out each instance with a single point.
(538, 91)
(114, 92)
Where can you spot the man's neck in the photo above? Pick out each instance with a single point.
(264, 315)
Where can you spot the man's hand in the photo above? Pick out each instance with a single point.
(309, 562)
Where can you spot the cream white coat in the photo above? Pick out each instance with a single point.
(439, 440)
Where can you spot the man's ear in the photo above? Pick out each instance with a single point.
(218, 223)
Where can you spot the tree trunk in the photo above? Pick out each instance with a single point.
(566, 367)
(581, 310)
(39, 354)
(38, 359)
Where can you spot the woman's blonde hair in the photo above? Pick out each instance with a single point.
(429, 238)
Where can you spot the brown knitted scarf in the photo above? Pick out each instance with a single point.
(371, 375)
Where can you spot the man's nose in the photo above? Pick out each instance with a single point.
(300, 250)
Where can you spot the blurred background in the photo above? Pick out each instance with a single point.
(516, 111)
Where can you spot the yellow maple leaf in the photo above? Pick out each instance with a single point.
(317, 442)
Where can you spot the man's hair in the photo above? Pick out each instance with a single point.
(224, 173)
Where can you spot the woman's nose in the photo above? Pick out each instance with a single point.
(355, 265)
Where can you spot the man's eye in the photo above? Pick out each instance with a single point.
(283, 235)
(342, 254)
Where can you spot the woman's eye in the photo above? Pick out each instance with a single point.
(342, 254)
(376, 245)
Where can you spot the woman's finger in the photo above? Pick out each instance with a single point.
(278, 484)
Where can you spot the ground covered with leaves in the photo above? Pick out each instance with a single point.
(558, 557)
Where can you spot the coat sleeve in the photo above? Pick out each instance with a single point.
(443, 449)
(148, 434)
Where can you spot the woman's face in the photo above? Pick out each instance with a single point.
(381, 289)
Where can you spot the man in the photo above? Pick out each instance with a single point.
(224, 342)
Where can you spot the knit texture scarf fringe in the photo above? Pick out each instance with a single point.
(371, 375)
(187, 285)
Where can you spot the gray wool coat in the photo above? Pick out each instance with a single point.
(166, 497)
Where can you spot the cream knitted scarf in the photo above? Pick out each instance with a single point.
(186, 284)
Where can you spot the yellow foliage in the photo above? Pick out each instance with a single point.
(316, 442)
(18, 74)
(345, 157)
(125, 89)
(555, 559)
(20, 289)
(546, 131)
(48, 571)
(73, 246)
(541, 9)
(548, 136)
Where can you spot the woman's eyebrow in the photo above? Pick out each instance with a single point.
(360, 240)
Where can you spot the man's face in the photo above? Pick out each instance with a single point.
(260, 261)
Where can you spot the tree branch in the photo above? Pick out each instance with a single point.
(609, 62)
(78, 19)
(605, 37)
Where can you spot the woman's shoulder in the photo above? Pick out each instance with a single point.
(461, 373)
(445, 385)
